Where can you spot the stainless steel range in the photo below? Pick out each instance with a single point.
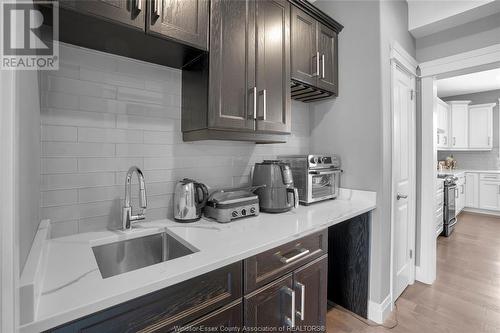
(317, 177)
(450, 193)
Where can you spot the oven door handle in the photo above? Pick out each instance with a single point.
(323, 172)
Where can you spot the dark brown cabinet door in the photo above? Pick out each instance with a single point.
(129, 13)
(273, 66)
(304, 47)
(232, 65)
(229, 317)
(327, 44)
(182, 20)
(270, 306)
(310, 284)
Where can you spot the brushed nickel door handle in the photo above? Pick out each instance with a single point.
(290, 321)
(301, 313)
(322, 66)
(138, 5)
(401, 196)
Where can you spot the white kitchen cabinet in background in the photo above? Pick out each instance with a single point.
(443, 124)
(459, 124)
(489, 191)
(481, 126)
(472, 190)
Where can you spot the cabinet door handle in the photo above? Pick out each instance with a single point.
(445, 140)
(156, 7)
(322, 66)
(264, 97)
(317, 64)
(454, 141)
(254, 91)
(138, 5)
(489, 140)
(291, 321)
(302, 253)
(302, 287)
(462, 186)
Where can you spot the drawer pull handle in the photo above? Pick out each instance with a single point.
(291, 321)
(302, 300)
(302, 253)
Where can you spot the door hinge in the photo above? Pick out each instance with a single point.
(411, 254)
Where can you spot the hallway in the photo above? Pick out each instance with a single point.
(466, 295)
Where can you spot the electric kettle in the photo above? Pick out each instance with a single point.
(190, 197)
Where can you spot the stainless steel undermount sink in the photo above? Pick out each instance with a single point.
(131, 254)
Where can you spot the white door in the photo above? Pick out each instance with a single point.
(489, 192)
(459, 126)
(480, 127)
(403, 174)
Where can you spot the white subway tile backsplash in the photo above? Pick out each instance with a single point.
(104, 113)
(63, 149)
(109, 135)
(70, 181)
(108, 164)
(59, 133)
(58, 165)
(78, 87)
(77, 118)
(59, 198)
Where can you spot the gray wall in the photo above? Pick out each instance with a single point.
(103, 113)
(485, 159)
(467, 37)
(28, 178)
(356, 125)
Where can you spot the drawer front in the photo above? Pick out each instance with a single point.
(267, 266)
(165, 309)
(490, 176)
(229, 317)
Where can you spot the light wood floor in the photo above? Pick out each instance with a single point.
(466, 295)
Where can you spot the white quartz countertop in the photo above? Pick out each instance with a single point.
(457, 172)
(72, 287)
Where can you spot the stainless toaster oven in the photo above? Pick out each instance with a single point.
(317, 177)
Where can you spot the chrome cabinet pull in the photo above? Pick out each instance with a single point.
(322, 66)
(317, 64)
(302, 287)
(264, 96)
(454, 141)
(302, 253)
(489, 140)
(291, 321)
(445, 140)
(254, 91)
(138, 5)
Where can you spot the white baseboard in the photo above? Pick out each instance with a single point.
(378, 312)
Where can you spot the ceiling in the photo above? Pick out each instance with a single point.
(469, 83)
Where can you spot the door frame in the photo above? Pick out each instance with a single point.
(462, 63)
(9, 253)
(402, 60)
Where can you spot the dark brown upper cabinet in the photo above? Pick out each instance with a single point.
(327, 47)
(182, 20)
(314, 58)
(244, 94)
(129, 13)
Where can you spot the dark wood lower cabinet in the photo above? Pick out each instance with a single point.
(227, 319)
(311, 283)
(271, 306)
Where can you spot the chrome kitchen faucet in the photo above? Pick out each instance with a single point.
(127, 217)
